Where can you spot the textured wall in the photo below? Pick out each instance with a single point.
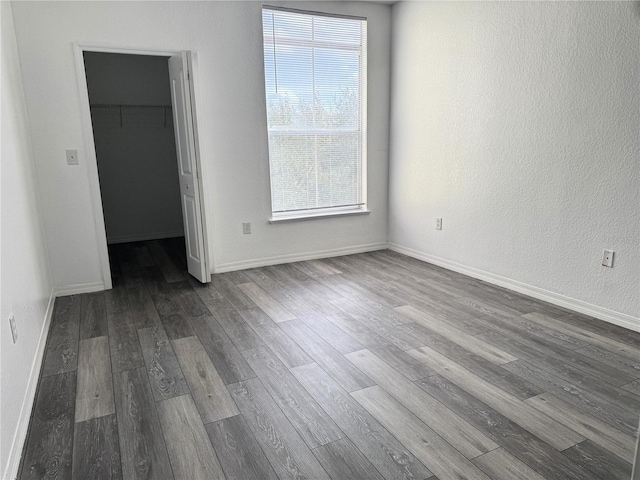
(518, 123)
(25, 278)
(227, 40)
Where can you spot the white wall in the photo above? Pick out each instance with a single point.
(135, 147)
(226, 37)
(25, 279)
(517, 123)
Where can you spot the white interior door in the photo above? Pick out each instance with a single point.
(187, 166)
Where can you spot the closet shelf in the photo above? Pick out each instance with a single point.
(124, 105)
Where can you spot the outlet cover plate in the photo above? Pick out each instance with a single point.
(72, 157)
(607, 258)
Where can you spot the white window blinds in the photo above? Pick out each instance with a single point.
(315, 78)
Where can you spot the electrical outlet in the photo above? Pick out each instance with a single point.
(14, 330)
(607, 258)
(246, 228)
(72, 157)
(438, 223)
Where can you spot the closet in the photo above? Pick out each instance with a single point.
(130, 101)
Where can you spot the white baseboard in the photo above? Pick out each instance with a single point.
(144, 236)
(297, 257)
(11, 471)
(611, 316)
(79, 288)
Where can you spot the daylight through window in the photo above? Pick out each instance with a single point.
(315, 77)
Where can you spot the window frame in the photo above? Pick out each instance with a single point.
(361, 205)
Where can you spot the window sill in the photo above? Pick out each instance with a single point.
(311, 216)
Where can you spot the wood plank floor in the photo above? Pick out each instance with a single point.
(370, 366)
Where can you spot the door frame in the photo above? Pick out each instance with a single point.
(92, 161)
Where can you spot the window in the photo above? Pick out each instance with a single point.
(315, 78)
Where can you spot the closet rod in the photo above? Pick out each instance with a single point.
(121, 106)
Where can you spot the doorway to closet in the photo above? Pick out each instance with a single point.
(144, 136)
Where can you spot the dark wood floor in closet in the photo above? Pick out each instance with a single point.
(366, 366)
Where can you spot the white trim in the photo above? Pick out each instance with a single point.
(80, 288)
(312, 12)
(20, 436)
(87, 47)
(92, 166)
(297, 257)
(92, 161)
(635, 472)
(611, 316)
(141, 237)
(309, 215)
(202, 169)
